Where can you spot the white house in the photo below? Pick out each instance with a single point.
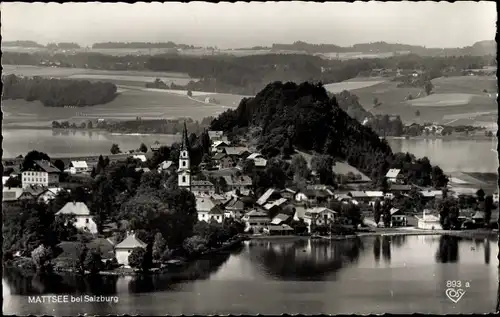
(165, 166)
(42, 173)
(140, 157)
(208, 210)
(392, 175)
(318, 216)
(429, 222)
(255, 220)
(83, 219)
(124, 248)
(78, 167)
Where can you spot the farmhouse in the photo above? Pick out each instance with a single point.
(208, 210)
(205, 187)
(125, 248)
(218, 146)
(49, 194)
(82, 216)
(398, 219)
(255, 220)
(240, 183)
(393, 175)
(41, 173)
(78, 167)
(318, 216)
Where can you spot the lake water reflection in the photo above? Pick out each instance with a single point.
(369, 275)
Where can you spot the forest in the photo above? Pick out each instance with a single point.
(288, 116)
(58, 92)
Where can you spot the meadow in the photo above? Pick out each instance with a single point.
(351, 85)
(455, 100)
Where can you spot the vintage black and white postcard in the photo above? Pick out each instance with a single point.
(249, 158)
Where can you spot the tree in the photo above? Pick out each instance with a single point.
(299, 166)
(248, 167)
(428, 87)
(90, 125)
(195, 245)
(190, 93)
(115, 149)
(417, 113)
(59, 164)
(386, 213)
(480, 194)
(376, 211)
(137, 259)
(488, 207)
(93, 261)
(42, 256)
(323, 164)
(33, 156)
(13, 182)
(143, 148)
(159, 246)
(79, 262)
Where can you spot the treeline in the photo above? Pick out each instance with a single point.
(287, 116)
(22, 44)
(63, 46)
(58, 92)
(477, 49)
(249, 74)
(385, 125)
(169, 44)
(159, 126)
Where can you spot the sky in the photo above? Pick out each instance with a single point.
(237, 25)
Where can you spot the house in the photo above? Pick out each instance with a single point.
(78, 167)
(125, 248)
(259, 161)
(140, 157)
(315, 194)
(429, 194)
(218, 146)
(318, 216)
(279, 230)
(32, 192)
(155, 146)
(215, 135)
(275, 205)
(206, 187)
(280, 219)
(240, 183)
(208, 210)
(255, 220)
(142, 169)
(41, 173)
(269, 195)
(428, 222)
(478, 218)
(234, 208)
(393, 175)
(166, 166)
(360, 196)
(226, 162)
(400, 189)
(238, 152)
(11, 195)
(83, 219)
(49, 194)
(288, 193)
(398, 219)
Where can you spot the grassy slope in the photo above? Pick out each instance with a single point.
(393, 102)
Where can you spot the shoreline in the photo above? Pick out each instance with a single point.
(445, 138)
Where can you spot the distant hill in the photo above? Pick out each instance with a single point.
(477, 49)
(138, 45)
(28, 44)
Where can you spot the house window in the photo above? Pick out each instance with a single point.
(183, 179)
(87, 220)
(184, 163)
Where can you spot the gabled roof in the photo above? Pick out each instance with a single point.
(34, 190)
(254, 156)
(74, 208)
(374, 193)
(204, 204)
(394, 210)
(279, 218)
(479, 215)
(165, 165)
(263, 199)
(300, 212)
(357, 194)
(131, 242)
(393, 173)
(235, 204)
(242, 180)
(219, 156)
(431, 193)
(46, 166)
(219, 143)
(256, 213)
(279, 228)
(317, 210)
(236, 150)
(400, 187)
(79, 164)
(201, 183)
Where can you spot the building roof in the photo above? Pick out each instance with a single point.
(204, 204)
(201, 183)
(400, 187)
(254, 156)
(394, 211)
(358, 194)
(479, 215)
(219, 143)
(34, 190)
(79, 164)
(279, 227)
(263, 199)
(74, 208)
(431, 193)
(242, 180)
(165, 165)
(276, 203)
(279, 218)
(141, 157)
(131, 242)
(47, 166)
(374, 193)
(144, 169)
(216, 211)
(235, 204)
(260, 162)
(256, 213)
(218, 156)
(240, 150)
(11, 194)
(317, 210)
(393, 173)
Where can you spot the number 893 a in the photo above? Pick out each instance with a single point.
(455, 284)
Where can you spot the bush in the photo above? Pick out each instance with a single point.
(195, 245)
(137, 259)
(42, 257)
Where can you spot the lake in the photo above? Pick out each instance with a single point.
(450, 155)
(370, 275)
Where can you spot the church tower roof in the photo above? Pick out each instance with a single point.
(185, 140)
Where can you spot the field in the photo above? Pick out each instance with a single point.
(351, 85)
(136, 78)
(131, 102)
(455, 100)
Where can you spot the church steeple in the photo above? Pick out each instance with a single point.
(184, 172)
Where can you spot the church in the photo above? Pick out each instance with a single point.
(184, 172)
